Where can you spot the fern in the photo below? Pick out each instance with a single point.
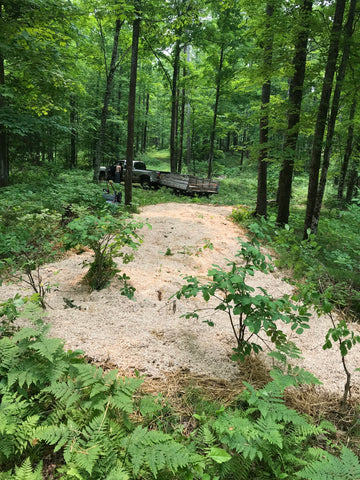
(118, 473)
(155, 451)
(53, 402)
(347, 467)
(25, 472)
(206, 435)
(8, 352)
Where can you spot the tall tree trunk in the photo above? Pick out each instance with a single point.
(322, 114)
(174, 110)
(295, 100)
(347, 154)
(145, 128)
(50, 146)
(107, 95)
(117, 128)
(242, 146)
(216, 107)
(348, 31)
(261, 200)
(353, 179)
(182, 126)
(4, 157)
(188, 120)
(73, 132)
(131, 111)
(182, 118)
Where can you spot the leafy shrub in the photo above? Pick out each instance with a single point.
(106, 235)
(240, 214)
(249, 315)
(26, 246)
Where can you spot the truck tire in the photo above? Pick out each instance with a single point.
(145, 182)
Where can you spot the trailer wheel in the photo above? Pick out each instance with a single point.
(145, 183)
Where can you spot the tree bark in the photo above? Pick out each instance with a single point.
(353, 180)
(182, 126)
(261, 200)
(4, 156)
(174, 110)
(188, 120)
(107, 95)
(347, 154)
(145, 127)
(348, 31)
(216, 107)
(322, 114)
(295, 100)
(131, 111)
(73, 132)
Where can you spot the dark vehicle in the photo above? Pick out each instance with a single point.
(146, 178)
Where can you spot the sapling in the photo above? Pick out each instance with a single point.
(250, 314)
(106, 235)
(321, 299)
(25, 249)
(346, 339)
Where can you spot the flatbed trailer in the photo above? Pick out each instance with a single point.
(189, 184)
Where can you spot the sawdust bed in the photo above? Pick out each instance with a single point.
(147, 334)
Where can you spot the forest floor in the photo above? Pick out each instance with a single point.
(147, 334)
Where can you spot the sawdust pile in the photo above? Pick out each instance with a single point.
(148, 334)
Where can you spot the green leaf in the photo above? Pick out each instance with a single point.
(219, 455)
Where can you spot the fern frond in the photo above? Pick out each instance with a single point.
(207, 436)
(270, 432)
(87, 374)
(8, 352)
(347, 467)
(25, 432)
(123, 392)
(86, 458)
(25, 472)
(47, 347)
(238, 468)
(57, 435)
(27, 333)
(118, 473)
(156, 450)
(65, 392)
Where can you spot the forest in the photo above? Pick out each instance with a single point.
(258, 96)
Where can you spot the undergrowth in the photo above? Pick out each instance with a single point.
(64, 416)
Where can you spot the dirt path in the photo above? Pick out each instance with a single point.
(148, 334)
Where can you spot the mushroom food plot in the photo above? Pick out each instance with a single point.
(148, 333)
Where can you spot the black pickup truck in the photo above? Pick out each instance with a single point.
(146, 178)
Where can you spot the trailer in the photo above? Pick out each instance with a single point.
(189, 184)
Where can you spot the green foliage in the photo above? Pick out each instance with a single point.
(9, 312)
(157, 451)
(106, 235)
(261, 439)
(240, 214)
(24, 472)
(347, 467)
(94, 425)
(54, 399)
(341, 333)
(325, 266)
(314, 286)
(249, 315)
